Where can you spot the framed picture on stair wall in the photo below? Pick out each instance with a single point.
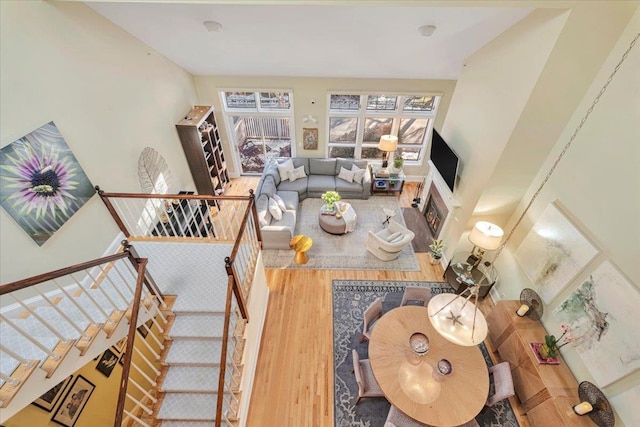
(74, 402)
(107, 362)
(48, 400)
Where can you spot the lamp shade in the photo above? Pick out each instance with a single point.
(388, 143)
(457, 319)
(486, 235)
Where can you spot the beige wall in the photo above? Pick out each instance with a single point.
(597, 183)
(306, 89)
(110, 96)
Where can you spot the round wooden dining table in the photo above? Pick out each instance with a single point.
(412, 382)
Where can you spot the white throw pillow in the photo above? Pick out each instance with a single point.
(283, 168)
(346, 175)
(296, 173)
(358, 174)
(280, 202)
(393, 238)
(274, 209)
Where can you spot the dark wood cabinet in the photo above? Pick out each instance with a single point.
(200, 138)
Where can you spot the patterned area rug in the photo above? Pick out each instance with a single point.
(350, 299)
(348, 251)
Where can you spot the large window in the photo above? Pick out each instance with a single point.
(357, 121)
(260, 125)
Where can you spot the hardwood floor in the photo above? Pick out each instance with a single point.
(293, 386)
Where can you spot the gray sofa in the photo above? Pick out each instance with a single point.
(322, 175)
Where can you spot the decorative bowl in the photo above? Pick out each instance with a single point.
(419, 343)
(444, 367)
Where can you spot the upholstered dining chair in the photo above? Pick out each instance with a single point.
(370, 315)
(397, 418)
(387, 243)
(416, 294)
(367, 384)
(503, 384)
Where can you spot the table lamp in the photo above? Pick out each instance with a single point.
(485, 236)
(387, 144)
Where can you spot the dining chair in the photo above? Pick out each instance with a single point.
(416, 295)
(503, 384)
(370, 315)
(367, 384)
(397, 418)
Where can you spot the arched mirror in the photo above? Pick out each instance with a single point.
(153, 172)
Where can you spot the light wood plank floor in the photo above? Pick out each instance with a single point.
(293, 386)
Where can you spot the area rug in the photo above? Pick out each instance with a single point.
(347, 251)
(350, 299)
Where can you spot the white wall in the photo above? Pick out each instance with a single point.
(110, 96)
(598, 183)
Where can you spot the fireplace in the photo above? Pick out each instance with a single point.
(435, 211)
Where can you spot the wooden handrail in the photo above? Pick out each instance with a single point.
(25, 283)
(148, 280)
(105, 199)
(223, 353)
(133, 324)
(170, 196)
(256, 221)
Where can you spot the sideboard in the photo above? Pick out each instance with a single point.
(547, 392)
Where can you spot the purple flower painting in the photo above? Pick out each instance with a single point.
(41, 182)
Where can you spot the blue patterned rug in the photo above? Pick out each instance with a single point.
(350, 299)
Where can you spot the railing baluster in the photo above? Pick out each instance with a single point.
(104, 293)
(13, 381)
(40, 319)
(153, 368)
(91, 298)
(108, 278)
(151, 349)
(62, 313)
(22, 360)
(138, 420)
(28, 337)
(145, 376)
(142, 389)
(139, 404)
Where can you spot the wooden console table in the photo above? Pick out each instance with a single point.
(547, 392)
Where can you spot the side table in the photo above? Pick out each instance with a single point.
(301, 244)
(389, 184)
(463, 272)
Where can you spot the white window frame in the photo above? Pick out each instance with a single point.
(258, 111)
(362, 114)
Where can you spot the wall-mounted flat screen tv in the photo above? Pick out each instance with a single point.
(444, 159)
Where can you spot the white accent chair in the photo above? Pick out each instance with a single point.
(387, 243)
(367, 384)
(503, 384)
(370, 315)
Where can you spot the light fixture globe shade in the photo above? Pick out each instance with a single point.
(427, 30)
(462, 331)
(486, 235)
(388, 143)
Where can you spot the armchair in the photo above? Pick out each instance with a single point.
(389, 242)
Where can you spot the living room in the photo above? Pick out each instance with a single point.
(513, 108)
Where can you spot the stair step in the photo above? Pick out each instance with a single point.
(191, 351)
(7, 365)
(188, 406)
(71, 310)
(191, 378)
(169, 423)
(206, 325)
(20, 345)
(60, 324)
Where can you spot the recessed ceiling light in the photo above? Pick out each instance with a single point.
(427, 30)
(213, 26)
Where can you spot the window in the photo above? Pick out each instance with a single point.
(260, 126)
(357, 121)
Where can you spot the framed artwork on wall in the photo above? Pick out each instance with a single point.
(41, 182)
(310, 138)
(554, 252)
(74, 402)
(119, 346)
(48, 400)
(603, 316)
(107, 362)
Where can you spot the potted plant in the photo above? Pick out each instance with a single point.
(330, 198)
(398, 162)
(552, 345)
(435, 250)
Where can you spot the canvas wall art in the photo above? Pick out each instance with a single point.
(48, 400)
(41, 182)
(310, 138)
(626, 405)
(554, 252)
(603, 316)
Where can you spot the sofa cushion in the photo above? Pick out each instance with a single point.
(299, 186)
(343, 186)
(322, 167)
(346, 175)
(301, 161)
(268, 186)
(288, 220)
(272, 169)
(283, 168)
(274, 209)
(321, 183)
(262, 206)
(395, 237)
(290, 199)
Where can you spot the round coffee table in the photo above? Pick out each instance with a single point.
(331, 224)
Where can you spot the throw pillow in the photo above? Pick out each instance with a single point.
(283, 167)
(296, 173)
(393, 238)
(262, 207)
(346, 175)
(280, 202)
(358, 174)
(274, 209)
